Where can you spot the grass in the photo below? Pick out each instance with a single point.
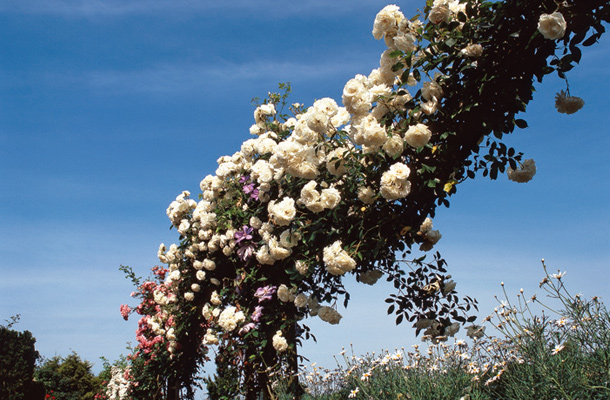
(564, 353)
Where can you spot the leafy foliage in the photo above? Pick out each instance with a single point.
(563, 353)
(18, 358)
(69, 378)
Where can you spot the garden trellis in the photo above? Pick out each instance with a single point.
(330, 190)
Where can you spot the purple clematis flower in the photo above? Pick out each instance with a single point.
(246, 251)
(247, 328)
(250, 189)
(244, 234)
(257, 314)
(265, 293)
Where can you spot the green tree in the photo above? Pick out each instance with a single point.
(18, 357)
(69, 378)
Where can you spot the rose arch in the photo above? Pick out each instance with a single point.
(348, 187)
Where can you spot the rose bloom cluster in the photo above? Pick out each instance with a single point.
(157, 307)
(445, 11)
(118, 386)
(328, 160)
(314, 151)
(305, 147)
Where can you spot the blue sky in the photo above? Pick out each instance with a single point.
(109, 109)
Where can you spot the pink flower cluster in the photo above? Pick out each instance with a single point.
(143, 333)
(125, 311)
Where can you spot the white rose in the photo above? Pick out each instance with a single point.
(340, 118)
(264, 256)
(329, 314)
(439, 14)
(566, 104)
(386, 21)
(305, 169)
(209, 264)
(330, 198)
(405, 41)
(396, 191)
(552, 26)
(309, 194)
(393, 188)
(431, 90)
(283, 212)
(256, 130)
(279, 342)
(210, 338)
(327, 106)
(433, 236)
(301, 300)
(276, 251)
(265, 145)
(393, 146)
(289, 239)
(284, 294)
(400, 171)
(429, 107)
(174, 275)
(215, 299)
(262, 171)
(426, 225)
(318, 122)
(475, 331)
(472, 50)
(365, 195)
(370, 132)
(263, 111)
(370, 277)
(353, 88)
(301, 267)
(337, 260)
(524, 174)
(418, 135)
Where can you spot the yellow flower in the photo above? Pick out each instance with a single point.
(449, 185)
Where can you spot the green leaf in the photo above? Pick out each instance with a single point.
(397, 67)
(591, 40)
(521, 123)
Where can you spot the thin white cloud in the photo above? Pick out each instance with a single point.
(269, 8)
(180, 78)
